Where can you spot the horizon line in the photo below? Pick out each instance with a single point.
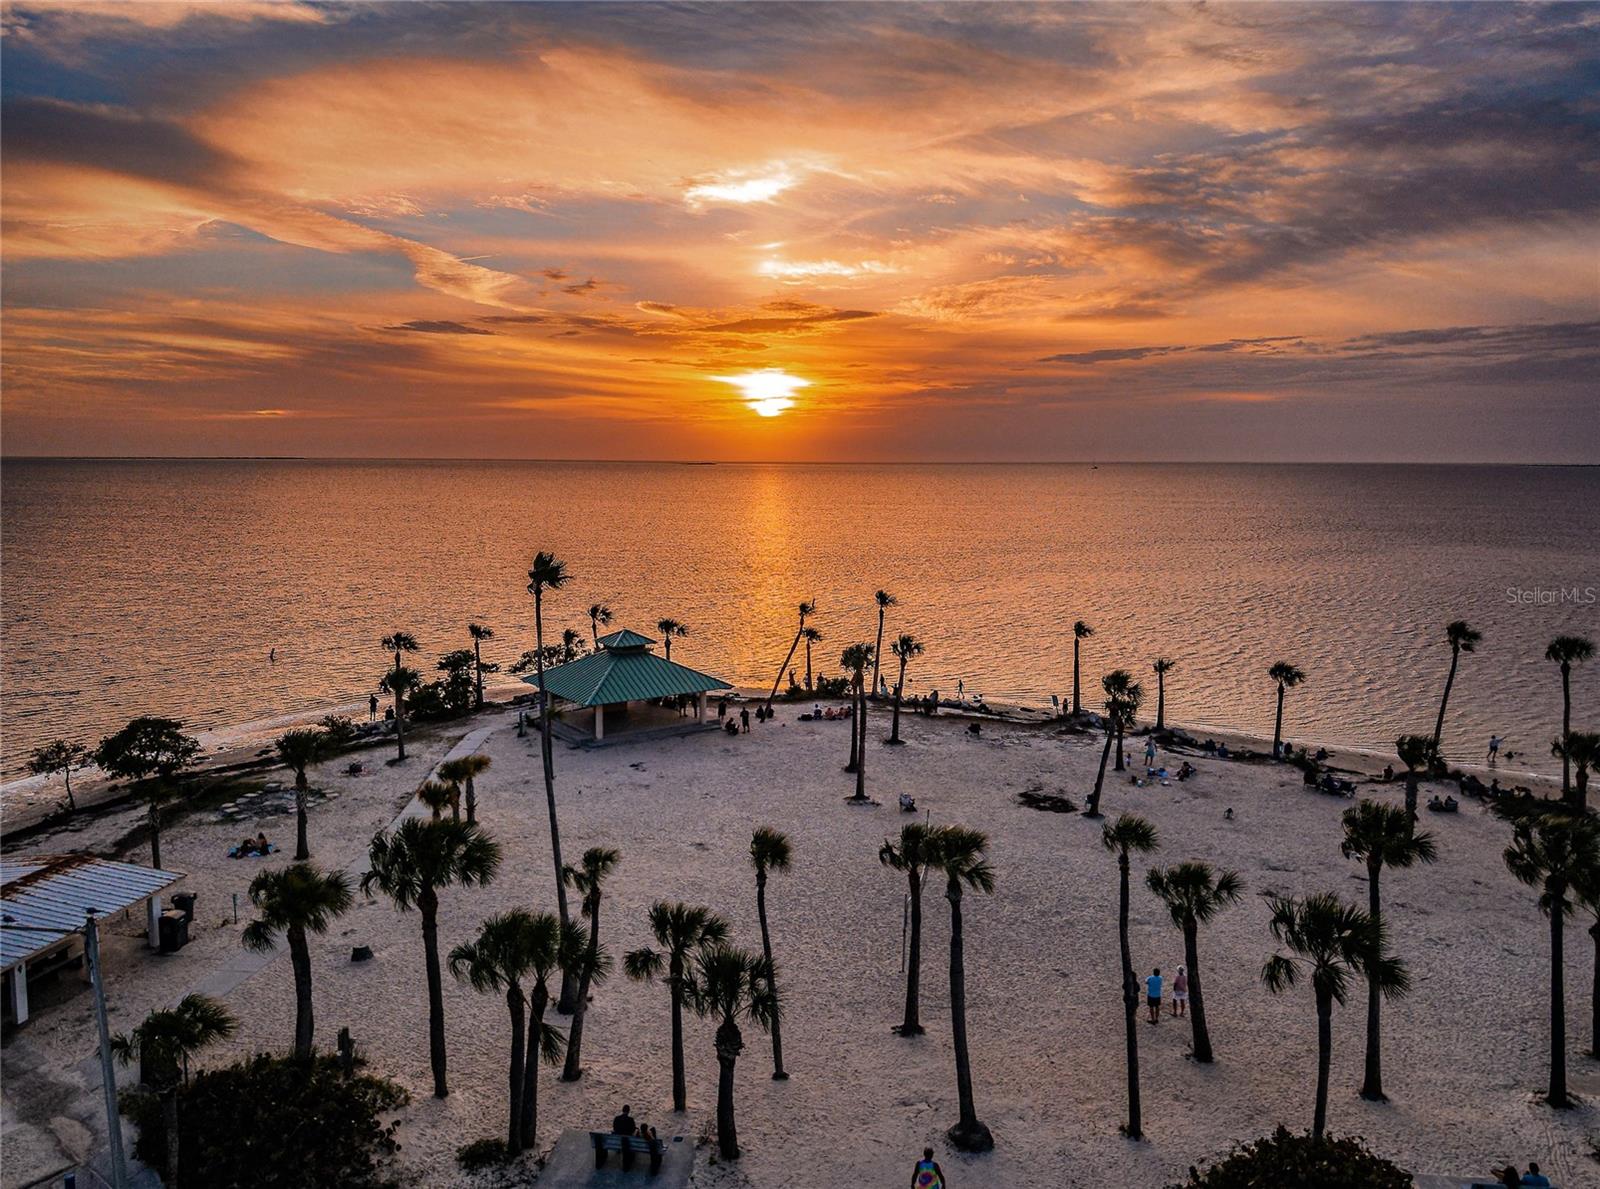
(800, 462)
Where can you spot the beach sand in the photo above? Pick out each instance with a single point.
(1465, 1053)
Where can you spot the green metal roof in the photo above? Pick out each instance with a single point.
(625, 639)
(613, 675)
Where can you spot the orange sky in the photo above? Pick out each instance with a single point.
(963, 232)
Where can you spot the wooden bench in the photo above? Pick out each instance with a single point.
(629, 1145)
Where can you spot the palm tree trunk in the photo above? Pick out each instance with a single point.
(428, 905)
(515, 1005)
(1580, 784)
(1324, 1059)
(564, 1003)
(1566, 726)
(573, 1069)
(399, 712)
(72, 806)
(808, 664)
(861, 754)
(1411, 801)
(1372, 1078)
(154, 817)
(1077, 705)
(169, 1120)
(778, 1074)
(1133, 1129)
(1438, 726)
(302, 848)
(538, 1001)
(1557, 1096)
(1161, 701)
(877, 652)
(729, 1045)
(472, 803)
(894, 732)
(300, 959)
(1277, 726)
(1093, 808)
(969, 1135)
(855, 732)
(1594, 995)
(784, 668)
(680, 1092)
(1197, 1002)
(1121, 764)
(911, 1025)
(477, 661)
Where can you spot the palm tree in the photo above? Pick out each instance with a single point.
(906, 647)
(1080, 632)
(296, 901)
(1579, 750)
(410, 866)
(479, 634)
(670, 628)
(1287, 677)
(498, 961)
(396, 683)
(59, 756)
(809, 607)
(1381, 836)
(1120, 709)
(1193, 894)
(1129, 833)
(769, 851)
(1416, 753)
(811, 636)
(1556, 852)
(1462, 639)
(1588, 893)
(679, 929)
(438, 796)
(885, 600)
(462, 771)
(959, 853)
(599, 617)
(588, 880)
(549, 573)
(552, 946)
(855, 660)
(1567, 651)
(911, 854)
(726, 984)
(571, 645)
(163, 1045)
(298, 750)
(1162, 667)
(1122, 688)
(1333, 940)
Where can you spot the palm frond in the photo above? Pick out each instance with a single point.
(643, 965)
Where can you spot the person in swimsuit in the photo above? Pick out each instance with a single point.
(928, 1174)
(1180, 992)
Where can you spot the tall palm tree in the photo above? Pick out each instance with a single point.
(1567, 651)
(1416, 753)
(462, 772)
(1579, 752)
(588, 880)
(1286, 676)
(811, 636)
(885, 600)
(498, 960)
(1194, 894)
(1122, 688)
(727, 984)
(1127, 835)
(769, 851)
(906, 648)
(548, 572)
(599, 617)
(958, 853)
(396, 683)
(479, 634)
(1080, 632)
(670, 629)
(553, 946)
(1380, 836)
(1462, 638)
(296, 901)
(298, 750)
(854, 660)
(1161, 667)
(410, 866)
(163, 1045)
(1119, 711)
(679, 929)
(1331, 940)
(809, 607)
(911, 854)
(1555, 852)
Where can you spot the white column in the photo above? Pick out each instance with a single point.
(700, 707)
(599, 722)
(155, 921)
(19, 992)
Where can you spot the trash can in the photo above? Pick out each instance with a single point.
(184, 903)
(173, 931)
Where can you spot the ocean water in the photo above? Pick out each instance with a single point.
(135, 587)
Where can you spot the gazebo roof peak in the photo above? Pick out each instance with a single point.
(625, 639)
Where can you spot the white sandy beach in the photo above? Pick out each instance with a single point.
(1464, 1054)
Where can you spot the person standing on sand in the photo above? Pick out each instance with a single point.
(372, 707)
(1152, 995)
(1494, 749)
(928, 1174)
(744, 719)
(1150, 752)
(1180, 992)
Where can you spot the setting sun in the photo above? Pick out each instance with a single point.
(766, 392)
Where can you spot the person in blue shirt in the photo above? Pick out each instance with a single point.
(1152, 995)
(1533, 1177)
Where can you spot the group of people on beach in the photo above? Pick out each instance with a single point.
(626, 1124)
(1155, 984)
(741, 724)
(251, 848)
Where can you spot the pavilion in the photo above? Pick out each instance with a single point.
(622, 670)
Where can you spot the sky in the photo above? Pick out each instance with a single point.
(838, 232)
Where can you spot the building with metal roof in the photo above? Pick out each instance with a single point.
(43, 899)
(621, 670)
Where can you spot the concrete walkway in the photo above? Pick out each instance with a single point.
(571, 1165)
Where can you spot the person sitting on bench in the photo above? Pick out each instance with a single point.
(623, 1124)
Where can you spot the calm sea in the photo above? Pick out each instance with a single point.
(160, 587)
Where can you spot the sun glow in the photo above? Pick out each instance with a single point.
(743, 187)
(766, 392)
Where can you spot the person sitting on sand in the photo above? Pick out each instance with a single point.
(975, 728)
(1388, 773)
(1222, 751)
(1186, 770)
(1180, 992)
(731, 726)
(623, 1124)
(928, 1174)
(1227, 814)
(1152, 995)
(908, 803)
(1534, 1177)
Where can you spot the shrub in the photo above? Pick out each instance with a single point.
(1299, 1160)
(483, 1153)
(276, 1123)
(339, 728)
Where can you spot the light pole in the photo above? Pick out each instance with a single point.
(108, 1075)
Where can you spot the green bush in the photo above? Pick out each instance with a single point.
(276, 1123)
(1283, 1159)
(483, 1153)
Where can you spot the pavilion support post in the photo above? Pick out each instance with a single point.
(700, 707)
(153, 921)
(599, 722)
(19, 992)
